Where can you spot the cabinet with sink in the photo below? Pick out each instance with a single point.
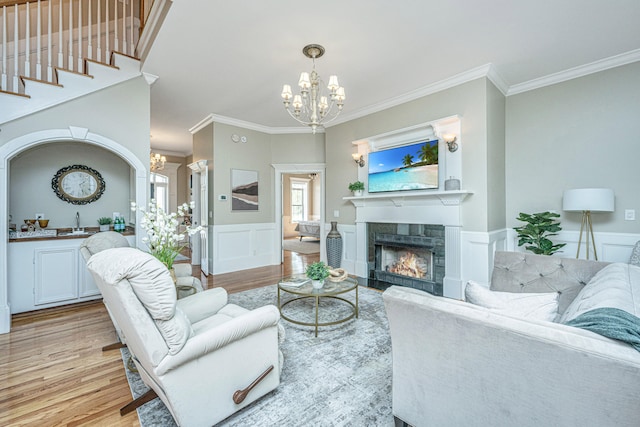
(49, 272)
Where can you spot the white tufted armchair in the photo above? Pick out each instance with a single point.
(204, 358)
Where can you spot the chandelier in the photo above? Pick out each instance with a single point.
(157, 161)
(310, 107)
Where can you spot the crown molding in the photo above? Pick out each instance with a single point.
(168, 152)
(249, 125)
(488, 70)
(458, 79)
(573, 73)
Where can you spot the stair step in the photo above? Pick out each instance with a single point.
(9, 93)
(39, 94)
(57, 71)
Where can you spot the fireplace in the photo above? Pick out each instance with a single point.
(411, 255)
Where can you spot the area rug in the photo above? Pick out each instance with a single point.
(305, 247)
(340, 378)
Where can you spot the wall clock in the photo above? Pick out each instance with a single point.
(78, 184)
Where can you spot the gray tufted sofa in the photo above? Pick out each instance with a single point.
(457, 364)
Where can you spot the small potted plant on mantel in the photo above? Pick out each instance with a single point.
(317, 272)
(105, 223)
(357, 188)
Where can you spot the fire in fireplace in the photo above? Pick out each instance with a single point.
(410, 263)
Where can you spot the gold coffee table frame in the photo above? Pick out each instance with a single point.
(329, 290)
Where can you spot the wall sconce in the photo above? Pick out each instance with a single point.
(450, 139)
(358, 158)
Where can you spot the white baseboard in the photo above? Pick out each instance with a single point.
(5, 319)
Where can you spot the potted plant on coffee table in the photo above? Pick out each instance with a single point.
(317, 272)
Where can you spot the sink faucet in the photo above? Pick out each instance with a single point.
(77, 220)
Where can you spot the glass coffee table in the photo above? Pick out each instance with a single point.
(330, 290)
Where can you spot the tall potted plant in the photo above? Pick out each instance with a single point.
(536, 232)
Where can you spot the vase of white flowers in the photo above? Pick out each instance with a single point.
(163, 238)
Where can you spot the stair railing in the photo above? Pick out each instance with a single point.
(36, 37)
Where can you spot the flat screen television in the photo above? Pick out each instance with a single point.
(406, 168)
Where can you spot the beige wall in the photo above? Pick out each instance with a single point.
(252, 155)
(496, 198)
(576, 134)
(261, 150)
(120, 113)
(183, 178)
(31, 173)
(468, 100)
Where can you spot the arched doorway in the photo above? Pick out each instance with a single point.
(25, 142)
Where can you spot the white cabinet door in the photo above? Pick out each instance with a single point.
(88, 287)
(56, 275)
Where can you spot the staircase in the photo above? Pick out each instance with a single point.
(57, 50)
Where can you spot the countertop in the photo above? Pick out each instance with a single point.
(60, 234)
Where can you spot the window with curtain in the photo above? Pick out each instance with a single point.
(160, 190)
(299, 200)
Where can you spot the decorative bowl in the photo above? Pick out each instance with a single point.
(30, 221)
(43, 223)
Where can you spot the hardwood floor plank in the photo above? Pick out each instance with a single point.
(53, 370)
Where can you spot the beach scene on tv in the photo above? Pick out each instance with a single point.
(410, 167)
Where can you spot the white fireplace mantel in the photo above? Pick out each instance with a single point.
(415, 207)
(447, 198)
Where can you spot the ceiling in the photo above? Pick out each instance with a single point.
(231, 58)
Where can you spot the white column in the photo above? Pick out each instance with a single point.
(452, 283)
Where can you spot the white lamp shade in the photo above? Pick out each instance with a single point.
(588, 199)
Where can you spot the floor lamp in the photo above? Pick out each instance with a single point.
(587, 200)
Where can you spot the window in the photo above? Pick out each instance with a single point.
(299, 200)
(160, 190)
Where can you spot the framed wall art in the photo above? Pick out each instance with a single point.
(244, 190)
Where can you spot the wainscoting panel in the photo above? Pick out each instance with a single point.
(611, 247)
(478, 250)
(243, 246)
(349, 246)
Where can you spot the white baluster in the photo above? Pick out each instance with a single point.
(70, 50)
(90, 42)
(27, 50)
(49, 41)
(132, 47)
(80, 36)
(16, 58)
(60, 31)
(99, 50)
(3, 82)
(124, 29)
(39, 44)
(107, 36)
(116, 40)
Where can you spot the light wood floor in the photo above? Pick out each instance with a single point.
(52, 369)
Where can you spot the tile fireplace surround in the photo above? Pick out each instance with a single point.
(411, 255)
(438, 208)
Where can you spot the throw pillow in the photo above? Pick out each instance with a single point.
(615, 286)
(540, 306)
